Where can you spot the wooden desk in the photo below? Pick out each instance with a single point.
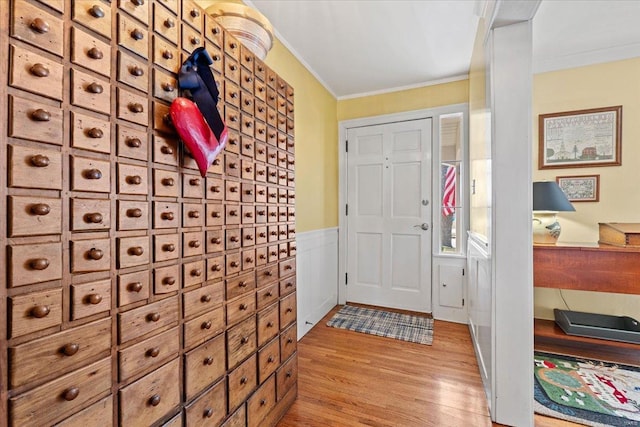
(600, 268)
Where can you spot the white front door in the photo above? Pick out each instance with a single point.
(389, 215)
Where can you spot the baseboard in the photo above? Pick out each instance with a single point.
(317, 276)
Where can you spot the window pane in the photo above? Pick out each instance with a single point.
(449, 231)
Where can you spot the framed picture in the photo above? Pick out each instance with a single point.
(584, 188)
(581, 138)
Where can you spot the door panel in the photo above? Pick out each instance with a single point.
(388, 178)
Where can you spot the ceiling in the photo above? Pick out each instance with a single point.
(358, 47)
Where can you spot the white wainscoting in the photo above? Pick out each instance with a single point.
(317, 276)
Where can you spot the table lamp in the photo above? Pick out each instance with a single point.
(548, 200)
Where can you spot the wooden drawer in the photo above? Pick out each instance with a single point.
(273, 253)
(242, 382)
(166, 247)
(133, 287)
(193, 273)
(132, 143)
(166, 279)
(192, 243)
(215, 267)
(282, 105)
(37, 27)
(132, 107)
(248, 233)
(133, 72)
(35, 311)
(102, 410)
(210, 408)
(266, 275)
(261, 195)
(165, 183)
(90, 133)
(190, 39)
(233, 238)
(203, 327)
(261, 232)
(268, 360)
(35, 73)
(261, 131)
(232, 214)
(165, 86)
(213, 31)
(61, 352)
(241, 341)
(248, 259)
(288, 267)
(241, 308)
(215, 242)
(192, 14)
(287, 376)
(35, 121)
(261, 156)
(192, 186)
(172, 5)
(282, 213)
(133, 251)
(90, 298)
(248, 215)
(192, 215)
(238, 419)
(176, 421)
(282, 233)
(214, 214)
(231, 116)
(268, 324)
(90, 92)
(162, 119)
(232, 191)
(287, 285)
(90, 52)
(246, 82)
(133, 36)
(132, 179)
(272, 174)
(233, 263)
(94, 16)
(240, 285)
(247, 125)
(165, 150)
(35, 168)
(291, 196)
(34, 263)
(261, 113)
(202, 299)
(166, 215)
(261, 403)
(267, 295)
(146, 319)
(288, 341)
(90, 175)
(204, 365)
(31, 215)
(247, 148)
(260, 91)
(272, 156)
(165, 24)
(148, 354)
(133, 215)
(214, 188)
(272, 197)
(90, 255)
(217, 57)
(165, 55)
(232, 94)
(151, 397)
(138, 9)
(261, 170)
(288, 310)
(56, 400)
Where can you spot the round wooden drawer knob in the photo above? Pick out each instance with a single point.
(205, 298)
(70, 393)
(134, 180)
(168, 281)
(234, 264)
(270, 324)
(95, 133)
(136, 251)
(136, 107)
(94, 299)
(216, 240)
(153, 352)
(242, 307)
(194, 243)
(167, 54)
(154, 400)
(169, 23)
(40, 161)
(168, 87)
(41, 115)
(39, 25)
(167, 216)
(70, 349)
(196, 273)
(165, 149)
(234, 238)
(96, 11)
(289, 340)
(208, 361)
(270, 359)
(289, 374)
(93, 174)
(195, 41)
(39, 264)
(288, 285)
(93, 218)
(194, 214)
(242, 284)
(269, 294)
(40, 311)
(194, 181)
(39, 70)
(133, 142)
(195, 13)
(233, 213)
(206, 325)
(40, 209)
(269, 273)
(136, 71)
(95, 53)
(169, 247)
(244, 380)
(137, 35)
(168, 182)
(95, 254)
(95, 88)
(289, 310)
(216, 267)
(134, 213)
(135, 287)
(154, 317)
(208, 413)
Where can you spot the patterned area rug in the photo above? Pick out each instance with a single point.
(588, 392)
(385, 324)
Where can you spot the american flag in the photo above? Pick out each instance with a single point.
(449, 192)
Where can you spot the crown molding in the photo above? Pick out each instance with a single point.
(407, 87)
(582, 59)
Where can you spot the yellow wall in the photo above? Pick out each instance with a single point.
(316, 136)
(405, 100)
(601, 85)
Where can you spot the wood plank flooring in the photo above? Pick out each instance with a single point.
(349, 379)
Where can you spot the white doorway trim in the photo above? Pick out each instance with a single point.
(343, 127)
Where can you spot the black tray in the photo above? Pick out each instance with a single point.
(603, 326)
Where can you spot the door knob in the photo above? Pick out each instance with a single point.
(423, 226)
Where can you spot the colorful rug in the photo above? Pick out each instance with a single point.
(403, 327)
(588, 392)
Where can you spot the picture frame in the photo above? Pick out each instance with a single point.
(581, 188)
(582, 138)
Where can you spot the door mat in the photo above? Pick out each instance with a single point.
(403, 327)
(589, 392)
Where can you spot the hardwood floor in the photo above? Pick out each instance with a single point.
(350, 379)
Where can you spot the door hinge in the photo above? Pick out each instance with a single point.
(346, 278)
(346, 146)
(463, 302)
(346, 209)
(463, 271)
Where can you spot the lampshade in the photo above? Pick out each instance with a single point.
(548, 196)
